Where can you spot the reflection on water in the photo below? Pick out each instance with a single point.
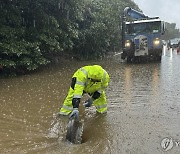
(143, 108)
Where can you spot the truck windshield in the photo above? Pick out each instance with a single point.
(145, 27)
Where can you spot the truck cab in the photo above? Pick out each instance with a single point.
(142, 36)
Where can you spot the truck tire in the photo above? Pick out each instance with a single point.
(129, 59)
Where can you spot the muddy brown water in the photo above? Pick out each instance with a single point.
(143, 109)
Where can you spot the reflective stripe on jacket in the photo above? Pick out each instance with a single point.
(84, 83)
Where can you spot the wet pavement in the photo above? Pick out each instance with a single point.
(143, 110)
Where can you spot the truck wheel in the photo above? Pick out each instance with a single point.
(159, 58)
(129, 59)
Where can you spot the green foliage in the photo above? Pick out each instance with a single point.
(100, 29)
(34, 33)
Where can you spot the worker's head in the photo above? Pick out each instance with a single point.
(96, 73)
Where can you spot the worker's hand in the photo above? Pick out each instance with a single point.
(75, 112)
(88, 102)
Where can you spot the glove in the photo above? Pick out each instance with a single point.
(88, 102)
(75, 112)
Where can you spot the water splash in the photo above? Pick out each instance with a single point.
(54, 130)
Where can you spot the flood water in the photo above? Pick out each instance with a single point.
(143, 109)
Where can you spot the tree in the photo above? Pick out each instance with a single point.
(36, 32)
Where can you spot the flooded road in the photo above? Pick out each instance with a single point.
(143, 110)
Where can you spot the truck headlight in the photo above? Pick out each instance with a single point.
(127, 44)
(156, 41)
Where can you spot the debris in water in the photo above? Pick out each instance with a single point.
(74, 131)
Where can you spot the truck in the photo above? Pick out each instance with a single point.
(141, 36)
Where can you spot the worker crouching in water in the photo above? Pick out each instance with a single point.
(92, 80)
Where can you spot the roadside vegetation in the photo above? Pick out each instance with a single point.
(38, 32)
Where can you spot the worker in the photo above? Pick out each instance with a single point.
(92, 80)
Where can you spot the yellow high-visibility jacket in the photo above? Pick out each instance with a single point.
(90, 79)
